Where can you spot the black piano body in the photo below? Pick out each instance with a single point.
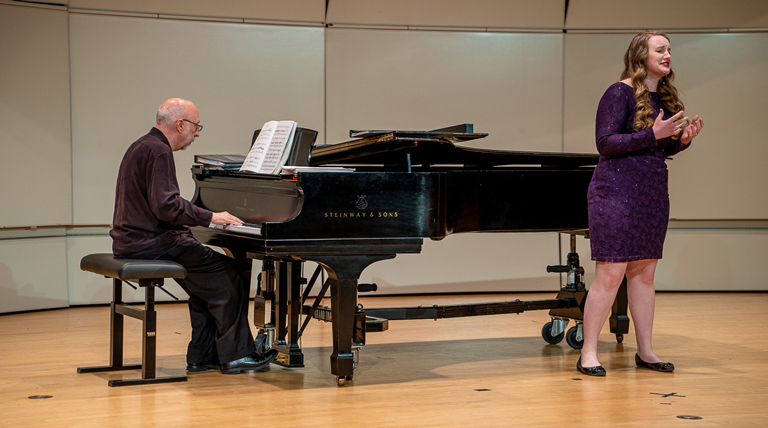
(400, 192)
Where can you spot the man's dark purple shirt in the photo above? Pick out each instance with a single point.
(150, 215)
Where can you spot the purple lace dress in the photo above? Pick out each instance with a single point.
(628, 199)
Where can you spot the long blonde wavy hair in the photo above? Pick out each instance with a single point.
(635, 70)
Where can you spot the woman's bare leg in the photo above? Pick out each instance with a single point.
(642, 299)
(602, 293)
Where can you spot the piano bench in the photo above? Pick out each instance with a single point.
(150, 274)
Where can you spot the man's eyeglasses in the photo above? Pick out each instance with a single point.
(198, 126)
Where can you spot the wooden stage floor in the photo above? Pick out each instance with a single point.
(483, 371)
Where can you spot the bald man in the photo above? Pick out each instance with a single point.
(151, 221)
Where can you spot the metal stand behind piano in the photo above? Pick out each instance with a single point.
(404, 188)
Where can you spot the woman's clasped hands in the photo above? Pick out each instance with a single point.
(678, 125)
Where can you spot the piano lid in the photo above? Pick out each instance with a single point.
(436, 147)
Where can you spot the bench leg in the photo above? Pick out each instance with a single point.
(116, 324)
(118, 309)
(149, 340)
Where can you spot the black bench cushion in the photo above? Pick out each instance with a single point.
(106, 264)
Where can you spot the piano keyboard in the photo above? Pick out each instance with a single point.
(247, 228)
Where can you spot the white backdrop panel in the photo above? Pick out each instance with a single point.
(592, 63)
(722, 78)
(33, 273)
(454, 13)
(35, 180)
(508, 85)
(722, 175)
(713, 260)
(238, 75)
(661, 14)
(287, 10)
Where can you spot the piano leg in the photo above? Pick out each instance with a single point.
(343, 304)
(343, 274)
(619, 320)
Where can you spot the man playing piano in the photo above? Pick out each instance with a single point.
(151, 221)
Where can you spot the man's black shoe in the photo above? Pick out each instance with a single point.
(201, 367)
(249, 363)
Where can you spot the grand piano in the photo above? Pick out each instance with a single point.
(352, 204)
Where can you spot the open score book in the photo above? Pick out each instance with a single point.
(270, 150)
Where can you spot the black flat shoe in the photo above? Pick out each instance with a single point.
(590, 371)
(249, 363)
(659, 367)
(201, 367)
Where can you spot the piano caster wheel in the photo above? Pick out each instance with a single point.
(619, 338)
(546, 334)
(571, 339)
(342, 380)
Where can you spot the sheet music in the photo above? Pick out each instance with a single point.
(258, 152)
(277, 150)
